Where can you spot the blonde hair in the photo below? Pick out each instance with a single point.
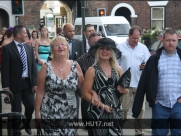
(58, 38)
(44, 27)
(113, 60)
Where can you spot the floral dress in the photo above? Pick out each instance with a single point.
(59, 104)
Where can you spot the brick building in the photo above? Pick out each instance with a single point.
(146, 14)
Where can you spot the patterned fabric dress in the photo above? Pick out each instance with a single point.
(59, 104)
(106, 88)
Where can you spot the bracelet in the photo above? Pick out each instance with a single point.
(36, 116)
(102, 109)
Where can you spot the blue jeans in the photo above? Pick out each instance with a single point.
(164, 118)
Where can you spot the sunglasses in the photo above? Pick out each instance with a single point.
(94, 35)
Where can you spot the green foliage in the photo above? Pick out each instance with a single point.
(150, 35)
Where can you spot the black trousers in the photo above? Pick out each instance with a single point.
(26, 96)
(85, 115)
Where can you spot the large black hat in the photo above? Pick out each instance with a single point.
(105, 42)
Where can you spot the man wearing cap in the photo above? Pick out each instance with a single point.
(134, 55)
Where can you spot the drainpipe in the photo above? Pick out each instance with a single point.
(16, 19)
(83, 17)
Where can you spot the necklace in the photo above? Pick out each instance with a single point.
(106, 71)
(62, 68)
(44, 42)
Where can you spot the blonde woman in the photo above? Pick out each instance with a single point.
(55, 97)
(102, 77)
(42, 48)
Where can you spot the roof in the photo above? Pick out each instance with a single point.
(105, 20)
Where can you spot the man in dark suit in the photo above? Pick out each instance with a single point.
(88, 29)
(76, 50)
(75, 45)
(19, 75)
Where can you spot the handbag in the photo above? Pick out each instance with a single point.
(39, 131)
(125, 79)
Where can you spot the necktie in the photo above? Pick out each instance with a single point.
(23, 56)
(70, 49)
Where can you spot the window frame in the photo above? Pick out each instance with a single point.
(163, 24)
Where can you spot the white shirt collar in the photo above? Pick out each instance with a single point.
(17, 42)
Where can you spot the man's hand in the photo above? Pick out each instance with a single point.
(35, 88)
(122, 90)
(108, 109)
(6, 89)
(142, 66)
(37, 121)
(95, 99)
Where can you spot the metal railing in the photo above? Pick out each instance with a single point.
(8, 100)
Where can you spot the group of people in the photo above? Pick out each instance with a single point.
(90, 69)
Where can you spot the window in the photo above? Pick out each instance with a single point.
(95, 27)
(117, 29)
(78, 29)
(157, 17)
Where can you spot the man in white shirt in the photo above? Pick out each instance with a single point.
(134, 55)
(87, 31)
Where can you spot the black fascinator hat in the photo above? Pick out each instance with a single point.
(105, 42)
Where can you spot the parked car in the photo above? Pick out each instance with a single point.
(158, 44)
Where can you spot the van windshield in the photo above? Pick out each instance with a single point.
(117, 29)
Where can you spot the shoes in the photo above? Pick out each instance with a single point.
(28, 131)
(140, 135)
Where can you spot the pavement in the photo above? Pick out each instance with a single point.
(126, 132)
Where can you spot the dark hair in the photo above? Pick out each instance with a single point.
(34, 32)
(59, 30)
(8, 33)
(2, 40)
(134, 27)
(94, 34)
(17, 29)
(28, 33)
(169, 31)
(87, 25)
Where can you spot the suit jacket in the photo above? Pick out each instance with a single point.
(84, 45)
(12, 66)
(77, 49)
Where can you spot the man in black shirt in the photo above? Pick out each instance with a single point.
(86, 61)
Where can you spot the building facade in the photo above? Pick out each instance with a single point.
(146, 14)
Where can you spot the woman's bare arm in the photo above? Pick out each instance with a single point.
(40, 89)
(80, 76)
(87, 84)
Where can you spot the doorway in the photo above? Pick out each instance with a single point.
(4, 18)
(124, 12)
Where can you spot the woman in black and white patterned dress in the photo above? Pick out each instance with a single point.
(102, 77)
(55, 96)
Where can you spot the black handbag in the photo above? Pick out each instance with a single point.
(39, 132)
(125, 79)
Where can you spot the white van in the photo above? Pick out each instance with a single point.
(114, 27)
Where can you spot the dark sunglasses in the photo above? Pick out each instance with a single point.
(95, 34)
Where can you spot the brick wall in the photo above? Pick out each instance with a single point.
(32, 13)
(142, 10)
